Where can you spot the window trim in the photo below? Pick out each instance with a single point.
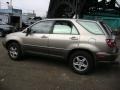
(76, 29)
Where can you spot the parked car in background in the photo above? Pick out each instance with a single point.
(82, 43)
(6, 29)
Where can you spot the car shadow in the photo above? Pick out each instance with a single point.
(34, 58)
(107, 68)
(101, 68)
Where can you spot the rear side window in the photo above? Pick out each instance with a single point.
(61, 29)
(64, 27)
(91, 27)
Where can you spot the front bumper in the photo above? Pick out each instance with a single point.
(104, 56)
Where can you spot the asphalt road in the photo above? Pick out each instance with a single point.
(47, 73)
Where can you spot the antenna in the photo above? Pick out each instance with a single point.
(11, 2)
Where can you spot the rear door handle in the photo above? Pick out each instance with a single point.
(74, 38)
(44, 37)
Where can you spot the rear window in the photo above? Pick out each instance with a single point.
(92, 27)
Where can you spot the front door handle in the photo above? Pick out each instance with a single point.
(74, 38)
(44, 37)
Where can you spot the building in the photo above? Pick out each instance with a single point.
(12, 17)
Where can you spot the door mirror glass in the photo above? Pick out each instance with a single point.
(28, 31)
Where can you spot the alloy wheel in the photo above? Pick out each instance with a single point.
(80, 63)
(13, 52)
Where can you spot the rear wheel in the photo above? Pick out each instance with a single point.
(14, 51)
(81, 62)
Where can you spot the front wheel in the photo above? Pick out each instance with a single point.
(81, 62)
(14, 51)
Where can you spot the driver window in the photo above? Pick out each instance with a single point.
(42, 27)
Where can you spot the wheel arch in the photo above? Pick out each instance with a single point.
(11, 41)
(79, 49)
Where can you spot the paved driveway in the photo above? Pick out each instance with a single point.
(46, 73)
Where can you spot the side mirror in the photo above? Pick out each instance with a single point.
(28, 31)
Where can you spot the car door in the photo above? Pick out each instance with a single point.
(38, 38)
(64, 37)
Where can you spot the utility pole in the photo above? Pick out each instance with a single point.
(11, 2)
(0, 4)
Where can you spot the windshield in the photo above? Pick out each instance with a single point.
(92, 27)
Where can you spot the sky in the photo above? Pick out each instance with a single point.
(40, 6)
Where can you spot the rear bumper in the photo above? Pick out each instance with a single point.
(103, 56)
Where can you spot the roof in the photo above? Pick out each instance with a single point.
(70, 19)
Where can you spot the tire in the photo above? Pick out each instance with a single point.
(14, 51)
(82, 62)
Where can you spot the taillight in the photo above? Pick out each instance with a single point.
(111, 43)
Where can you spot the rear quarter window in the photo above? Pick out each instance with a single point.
(92, 27)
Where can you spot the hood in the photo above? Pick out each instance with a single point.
(14, 34)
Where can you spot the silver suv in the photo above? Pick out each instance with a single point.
(82, 43)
